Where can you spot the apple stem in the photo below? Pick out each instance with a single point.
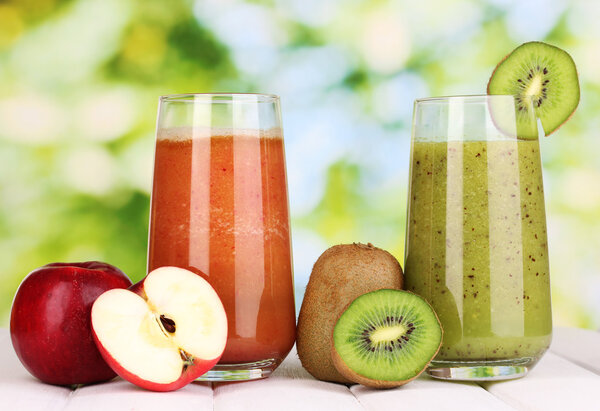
(167, 323)
(187, 359)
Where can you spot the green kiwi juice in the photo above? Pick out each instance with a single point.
(477, 247)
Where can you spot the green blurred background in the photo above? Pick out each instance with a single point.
(79, 87)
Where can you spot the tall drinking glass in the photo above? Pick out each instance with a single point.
(476, 244)
(220, 209)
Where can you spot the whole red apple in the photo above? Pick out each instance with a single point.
(50, 321)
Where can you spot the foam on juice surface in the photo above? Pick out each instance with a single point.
(190, 133)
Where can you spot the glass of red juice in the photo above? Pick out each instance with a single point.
(219, 208)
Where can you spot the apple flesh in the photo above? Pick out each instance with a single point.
(167, 333)
(50, 321)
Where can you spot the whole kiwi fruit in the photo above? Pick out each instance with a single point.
(340, 275)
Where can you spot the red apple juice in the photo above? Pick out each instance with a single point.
(220, 209)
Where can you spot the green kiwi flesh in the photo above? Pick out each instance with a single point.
(543, 78)
(385, 338)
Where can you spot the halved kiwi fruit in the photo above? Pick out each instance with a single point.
(543, 78)
(385, 338)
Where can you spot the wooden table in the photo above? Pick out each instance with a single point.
(567, 378)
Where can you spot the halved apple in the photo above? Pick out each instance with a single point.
(166, 334)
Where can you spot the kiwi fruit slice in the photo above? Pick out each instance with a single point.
(385, 338)
(342, 273)
(543, 78)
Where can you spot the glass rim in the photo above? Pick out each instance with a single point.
(471, 97)
(219, 98)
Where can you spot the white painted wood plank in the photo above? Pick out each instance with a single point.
(291, 367)
(579, 346)
(24, 392)
(554, 384)
(121, 395)
(426, 393)
(290, 388)
(19, 390)
(284, 394)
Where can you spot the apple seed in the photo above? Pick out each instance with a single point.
(167, 323)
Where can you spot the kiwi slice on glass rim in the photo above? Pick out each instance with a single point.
(385, 338)
(543, 78)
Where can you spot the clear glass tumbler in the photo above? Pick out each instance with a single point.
(476, 243)
(220, 209)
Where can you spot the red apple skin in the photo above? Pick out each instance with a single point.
(138, 288)
(50, 323)
(190, 374)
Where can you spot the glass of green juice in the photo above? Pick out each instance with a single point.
(476, 243)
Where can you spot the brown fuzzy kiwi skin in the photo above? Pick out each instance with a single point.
(576, 73)
(340, 275)
(348, 373)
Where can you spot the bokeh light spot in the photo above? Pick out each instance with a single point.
(144, 46)
(106, 116)
(11, 25)
(89, 170)
(385, 43)
(30, 119)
